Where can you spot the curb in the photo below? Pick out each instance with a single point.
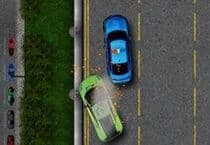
(78, 115)
(20, 26)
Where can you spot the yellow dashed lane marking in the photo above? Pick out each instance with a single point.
(139, 101)
(194, 26)
(139, 64)
(139, 26)
(194, 64)
(194, 102)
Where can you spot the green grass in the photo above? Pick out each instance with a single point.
(50, 20)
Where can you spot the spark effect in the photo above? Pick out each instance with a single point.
(115, 92)
(96, 70)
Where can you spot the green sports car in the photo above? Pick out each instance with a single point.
(100, 108)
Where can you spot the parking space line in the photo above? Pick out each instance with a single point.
(194, 64)
(194, 101)
(4, 46)
(4, 96)
(194, 135)
(139, 64)
(4, 141)
(139, 101)
(139, 26)
(5, 120)
(139, 135)
(5, 72)
(194, 26)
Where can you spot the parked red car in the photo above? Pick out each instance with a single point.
(10, 140)
(11, 45)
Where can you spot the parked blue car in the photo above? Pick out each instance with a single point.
(117, 45)
(10, 72)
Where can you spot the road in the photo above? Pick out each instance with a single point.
(168, 101)
(7, 27)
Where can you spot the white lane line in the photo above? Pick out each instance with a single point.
(5, 72)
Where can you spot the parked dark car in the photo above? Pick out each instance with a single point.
(10, 119)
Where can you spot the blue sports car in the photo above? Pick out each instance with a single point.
(116, 33)
(10, 72)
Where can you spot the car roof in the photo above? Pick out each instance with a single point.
(101, 109)
(118, 51)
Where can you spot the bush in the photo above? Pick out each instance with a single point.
(47, 73)
(35, 117)
(31, 6)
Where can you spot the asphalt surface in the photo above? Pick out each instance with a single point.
(203, 80)
(175, 60)
(7, 28)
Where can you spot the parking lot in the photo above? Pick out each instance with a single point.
(168, 102)
(7, 30)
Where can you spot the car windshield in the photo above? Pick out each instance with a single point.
(120, 68)
(117, 35)
(96, 95)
